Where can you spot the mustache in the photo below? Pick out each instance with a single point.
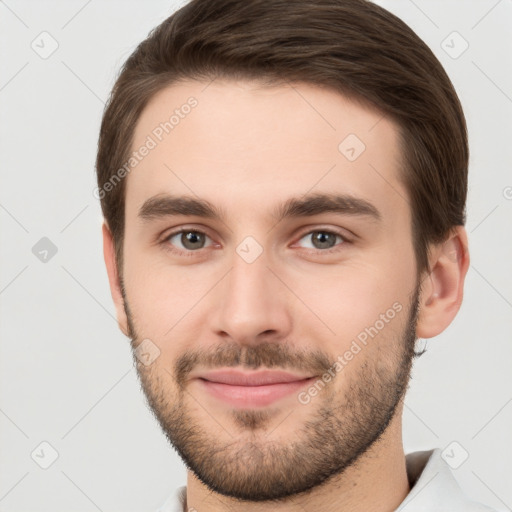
(265, 354)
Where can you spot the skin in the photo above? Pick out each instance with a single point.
(247, 148)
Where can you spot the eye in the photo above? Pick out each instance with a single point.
(187, 240)
(323, 239)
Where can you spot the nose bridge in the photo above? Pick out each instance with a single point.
(251, 301)
(248, 279)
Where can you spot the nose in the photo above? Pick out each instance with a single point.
(252, 303)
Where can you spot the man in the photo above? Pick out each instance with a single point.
(284, 187)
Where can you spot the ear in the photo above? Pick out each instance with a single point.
(113, 278)
(442, 290)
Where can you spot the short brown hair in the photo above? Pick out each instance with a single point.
(351, 46)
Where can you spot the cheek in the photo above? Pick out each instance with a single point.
(163, 298)
(351, 297)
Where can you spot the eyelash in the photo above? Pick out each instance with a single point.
(190, 253)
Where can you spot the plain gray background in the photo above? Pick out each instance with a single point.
(66, 371)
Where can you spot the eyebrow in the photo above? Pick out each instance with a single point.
(165, 205)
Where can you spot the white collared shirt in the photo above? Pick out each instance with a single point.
(433, 488)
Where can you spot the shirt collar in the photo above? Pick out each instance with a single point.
(433, 486)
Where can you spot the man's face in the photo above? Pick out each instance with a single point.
(253, 290)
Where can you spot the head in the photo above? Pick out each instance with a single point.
(316, 157)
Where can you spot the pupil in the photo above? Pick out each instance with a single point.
(321, 240)
(190, 238)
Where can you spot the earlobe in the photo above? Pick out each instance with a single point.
(113, 278)
(442, 290)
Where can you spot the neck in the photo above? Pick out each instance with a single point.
(377, 481)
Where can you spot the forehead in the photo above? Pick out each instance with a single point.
(210, 139)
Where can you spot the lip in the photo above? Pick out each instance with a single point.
(251, 389)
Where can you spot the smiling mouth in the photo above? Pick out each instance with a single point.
(255, 389)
